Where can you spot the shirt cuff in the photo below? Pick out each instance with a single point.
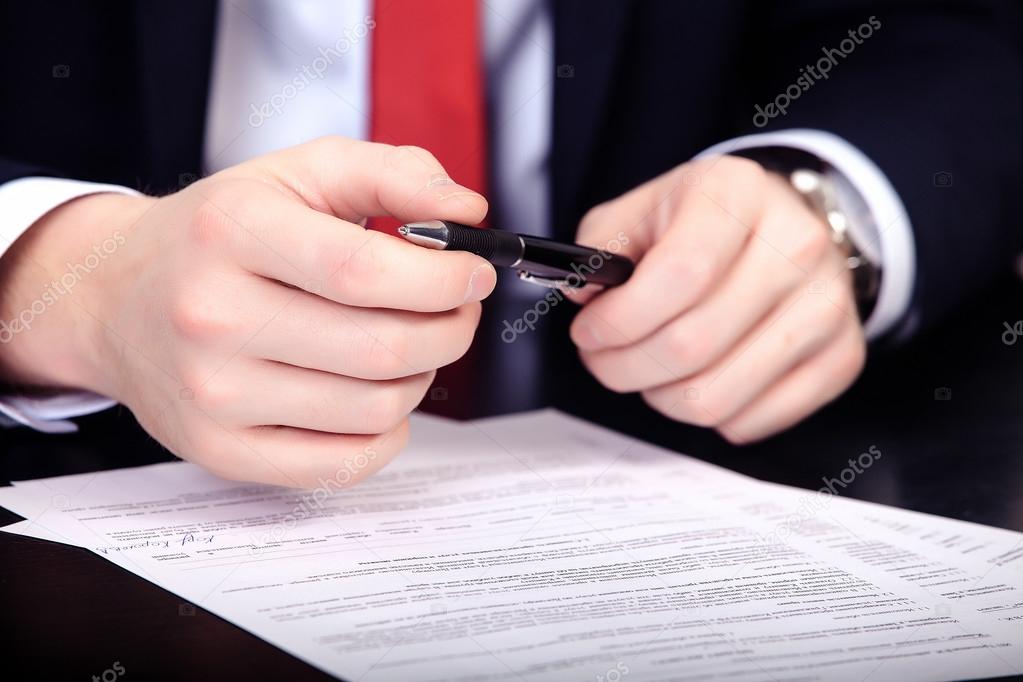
(22, 203)
(878, 222)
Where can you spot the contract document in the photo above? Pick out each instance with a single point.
(541, 547)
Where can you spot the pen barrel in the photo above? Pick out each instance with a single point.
(500, 248)
(578, 265)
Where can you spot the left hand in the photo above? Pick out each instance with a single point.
(740, 315)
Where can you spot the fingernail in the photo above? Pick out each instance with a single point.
(481, 283)
(587, 337)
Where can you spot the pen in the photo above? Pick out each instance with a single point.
(541, 261)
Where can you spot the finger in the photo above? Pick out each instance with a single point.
(271, 235)
(768, 271)
(799, 328)
(804, 390)
(354, 179)
(582, 295)
(699, 244)
(297, 458)
(297, 328)
(263, 393)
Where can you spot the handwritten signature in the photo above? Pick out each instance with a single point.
(183, 541)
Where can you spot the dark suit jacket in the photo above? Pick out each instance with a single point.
(116, 91)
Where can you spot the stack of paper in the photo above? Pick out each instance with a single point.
(540, 547)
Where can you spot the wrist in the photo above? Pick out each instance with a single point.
(54, 282)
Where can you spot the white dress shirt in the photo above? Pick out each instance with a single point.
(285, 73)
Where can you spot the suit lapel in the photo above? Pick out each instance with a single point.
(174, 56)
(587, 41)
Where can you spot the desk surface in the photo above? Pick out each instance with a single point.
(957, 452)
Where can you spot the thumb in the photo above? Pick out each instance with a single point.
(626, 226)
(355, 180)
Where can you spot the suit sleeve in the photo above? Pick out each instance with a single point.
(930, 92)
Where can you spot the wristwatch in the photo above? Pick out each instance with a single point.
(818, 189)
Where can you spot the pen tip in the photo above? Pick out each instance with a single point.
(403, 230)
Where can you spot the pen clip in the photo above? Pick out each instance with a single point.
(549, 282)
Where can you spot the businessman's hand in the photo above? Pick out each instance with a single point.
(740, 315)
(249, 321)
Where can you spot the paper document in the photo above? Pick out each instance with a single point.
(540, 547)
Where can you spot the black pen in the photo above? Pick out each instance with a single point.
(541, 261)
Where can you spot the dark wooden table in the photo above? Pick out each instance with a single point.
(945, 412)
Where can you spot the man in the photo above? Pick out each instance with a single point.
(254, 326)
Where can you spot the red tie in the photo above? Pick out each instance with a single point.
(427, 85)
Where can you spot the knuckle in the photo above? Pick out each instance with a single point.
(687, 350)
(199, 318)
(815, 326)
(593, 220)
(388, 356)
(209, 225)
(350, 273)
(811, 245)
(745, 174)
(214, 396)
(386, 409)
(730, 180)
(420, 154)
(696, 268)
(413, 157)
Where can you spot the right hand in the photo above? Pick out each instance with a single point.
(249, 321)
